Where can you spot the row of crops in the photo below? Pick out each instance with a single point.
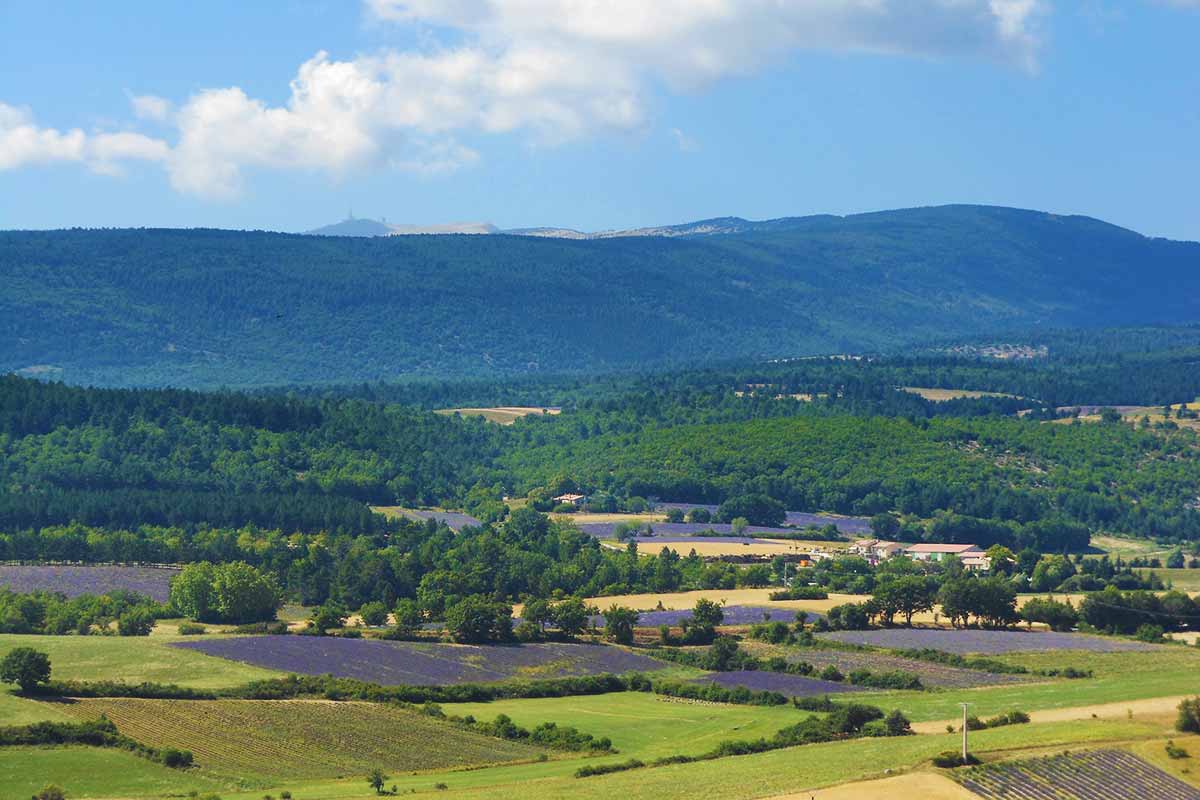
(1093, 775)
(299, 738)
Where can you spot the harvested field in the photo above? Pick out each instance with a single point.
(76, 580)
(722, 546)
(730, 597)
(1161, 708)
(676, 530)
(922, 785)
(791, 685)
(931, 674)
(942, 395)
(980, 641)
(454, 520)
(502, 415)
(1094, 775)
(419, 663)
(299, 738)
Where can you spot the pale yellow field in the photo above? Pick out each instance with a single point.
(672, 601)
(503, 415)
(913, 786)
(734, 547)
(942, 395)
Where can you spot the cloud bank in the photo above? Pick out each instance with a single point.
(551, 70)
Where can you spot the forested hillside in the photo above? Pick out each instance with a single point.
(149, 461)
(211, 308)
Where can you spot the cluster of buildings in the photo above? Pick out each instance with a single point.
(875, 550)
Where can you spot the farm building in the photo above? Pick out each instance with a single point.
(570, 499)
(971, 556)
(876, 550)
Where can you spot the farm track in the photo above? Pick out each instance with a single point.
(1156, 706)
(299, 738)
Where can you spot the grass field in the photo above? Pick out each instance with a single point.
(642, 725)
(135, 659)
(87, 772)
(775, 773)
(296, 739)
(1186, 580)
(503, 415)
(1164, 672)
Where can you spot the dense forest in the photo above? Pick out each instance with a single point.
(310, 462)
(209, 308)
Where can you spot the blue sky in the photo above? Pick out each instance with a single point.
(593, 114)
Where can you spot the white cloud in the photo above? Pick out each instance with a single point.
(150, 107)
(553, 70)
(23, 142)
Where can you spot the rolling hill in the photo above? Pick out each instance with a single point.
(212, 307)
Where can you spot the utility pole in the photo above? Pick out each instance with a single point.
(964, 732)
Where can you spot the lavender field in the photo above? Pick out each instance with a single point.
(986, 642)
(734, 615)
(420, 663)
(847, 661)
(791, 685)
(1095, 775)
(795, 519)
(454, 520)
(76, 580)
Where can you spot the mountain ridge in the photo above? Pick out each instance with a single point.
(206, 308)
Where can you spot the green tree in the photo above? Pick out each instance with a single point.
(707, 613)
(408, 617)
(571, 616)
(192, 592)
(757, 509)
(25, 667)
(373, 613)
(244, 594)
(907, 595)
(330, 615)
(476, 620)
(1058, 616)
(138, 621)
(539, 612)
(619, 622)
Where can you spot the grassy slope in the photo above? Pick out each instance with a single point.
(1118, 676)
(737, 778)
(135, 659)
(86, 772)
(274, 740)
(641, 725)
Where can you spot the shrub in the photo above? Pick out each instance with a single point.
(1149, 633)
(1175, 751)
(589, 770)
(191, 629)
(952, 758)
(800, 593)
(831, 673)
(1188, 720)
(136, 622)
(373, 613)
(51, 791)
(263, 628)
